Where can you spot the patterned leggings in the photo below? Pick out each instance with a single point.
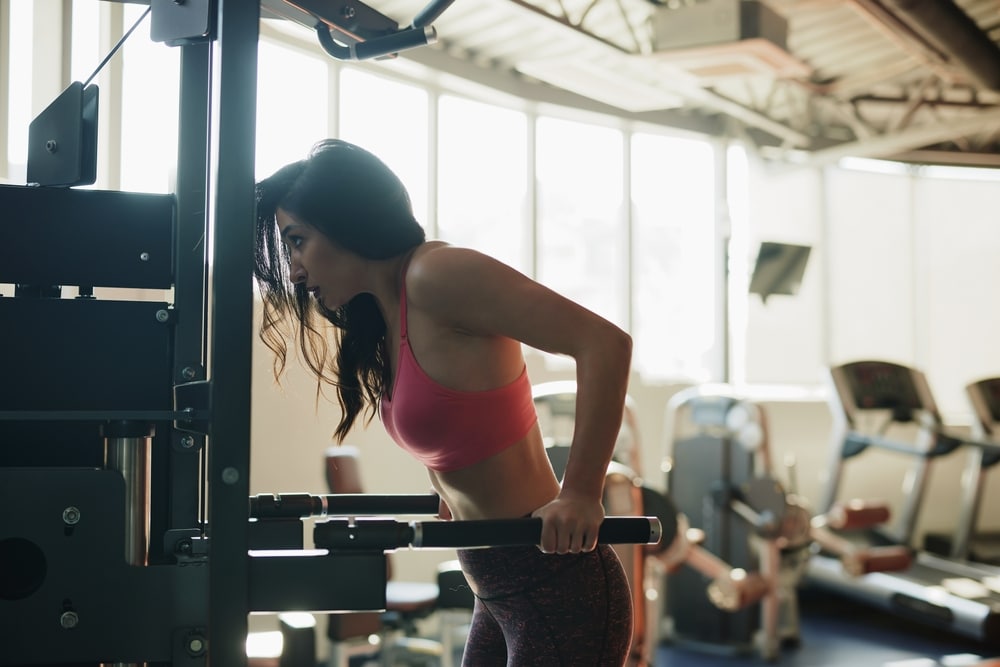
(532, 609)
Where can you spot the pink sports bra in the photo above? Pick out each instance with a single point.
(446, 429)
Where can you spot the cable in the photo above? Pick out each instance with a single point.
(117, 46)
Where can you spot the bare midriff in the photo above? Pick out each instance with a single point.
(508, 485)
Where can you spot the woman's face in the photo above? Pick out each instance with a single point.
(330, 273)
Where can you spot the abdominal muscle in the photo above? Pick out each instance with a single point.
(507, 485)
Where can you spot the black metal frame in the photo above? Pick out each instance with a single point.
(214, 198)
(234, 105)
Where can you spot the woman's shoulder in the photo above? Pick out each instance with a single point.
(439, 271)
(437, 260)
(428, 249)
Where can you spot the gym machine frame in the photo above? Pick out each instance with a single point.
(113, 610)
(949, 593)
(114, 407)
(744, 537)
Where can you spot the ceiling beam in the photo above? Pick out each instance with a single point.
(510, 83)
(900, 142)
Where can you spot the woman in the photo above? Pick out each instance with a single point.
(430, 335)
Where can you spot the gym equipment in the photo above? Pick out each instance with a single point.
(966, 542)
(708, 583)
(717, 480)
(361, 33)
(857, 559)
(362, 534)
(749, 539)
(951, 594)
(62, 140)
(277, 528)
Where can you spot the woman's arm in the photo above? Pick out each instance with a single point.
(473, 293)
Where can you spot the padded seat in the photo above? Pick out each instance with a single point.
(406, 602)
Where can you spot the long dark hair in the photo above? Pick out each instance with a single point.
(354, 199)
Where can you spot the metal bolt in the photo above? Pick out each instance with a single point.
(188, 373)
(51, 145)
(230, 475)
(162, 315)
(348, 12)
(143, 256)
(71, 516)
(196, 645)
(187, 442)
(69, 620)
(184, 547)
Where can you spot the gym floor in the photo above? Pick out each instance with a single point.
(838, 632)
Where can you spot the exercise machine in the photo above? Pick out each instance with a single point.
(712, 468)
(66, 582)
(743, 536)
(967, 542)
(984, 396)
(874, 405)
(362, 530)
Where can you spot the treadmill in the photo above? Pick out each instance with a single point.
(951, 594)
(966, 541)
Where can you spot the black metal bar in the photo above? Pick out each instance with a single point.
(231, 323)
(375, 47)
(190, 262)
(356, 504)
(386, 534)
(511, 532)
(301, 505)
(191, 223)
(431, 12)
(102, 415)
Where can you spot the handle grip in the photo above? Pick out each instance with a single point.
(515, 532)
(857, 514)
(378, 534)
(878, 559)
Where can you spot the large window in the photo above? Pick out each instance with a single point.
(956, 278)
(620, 221)
(292, 108)
(582, 228)
(482, 180)
(673, 257)
(19, 92)
(150, 88)
(389, 119)
(86, 52)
